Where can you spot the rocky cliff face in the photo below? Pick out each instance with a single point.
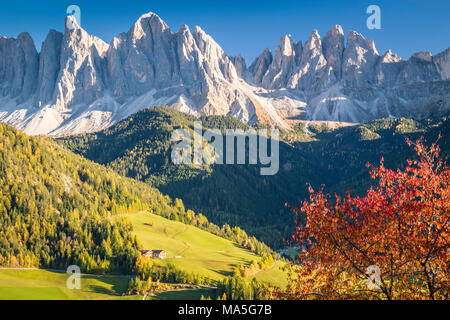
(334, 81)
(442, 61)
(49, 67)
(19, 65)
(78, 83)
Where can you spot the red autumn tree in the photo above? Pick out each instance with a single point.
(393, 243)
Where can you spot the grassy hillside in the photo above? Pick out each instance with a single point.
(55, 208)
(49, 285)
(189, 248)
(140, 147)
(58, 209)
(195, 250)
(274, 276)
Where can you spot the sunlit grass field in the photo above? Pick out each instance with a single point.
(50, 285)
(22, 284)
(187, 247)
(196, 250)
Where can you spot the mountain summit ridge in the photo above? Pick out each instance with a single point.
(78, 83)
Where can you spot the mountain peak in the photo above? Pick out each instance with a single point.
(148, 23)
(357, 39)
(313, 42)
(184, 28)
(24, 36)
(80, 84)
(389, 57)
(333, 48)
(71, 23)
(239, 64)
(149, 14)
(259, 67)
(335, 30)
(314, 35)
(198, 29)
(423, 55)
(151, 18)
(354, 36)
(286, 46)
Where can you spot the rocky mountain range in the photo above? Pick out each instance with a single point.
(78, 83)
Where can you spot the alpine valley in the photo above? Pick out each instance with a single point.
(87, 179)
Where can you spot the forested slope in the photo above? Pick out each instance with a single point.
(56, 209)
(140, 147)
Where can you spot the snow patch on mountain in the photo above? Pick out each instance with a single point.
(78, 83)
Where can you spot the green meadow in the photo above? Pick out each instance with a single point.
(276, 276)
(51, 285)
(196, 250)
(187, 247)
(36, 284)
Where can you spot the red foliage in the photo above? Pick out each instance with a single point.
(400, 227)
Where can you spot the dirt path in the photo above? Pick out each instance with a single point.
(266, 270)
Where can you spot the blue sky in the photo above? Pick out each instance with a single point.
(246, 27)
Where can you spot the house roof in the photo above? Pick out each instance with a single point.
(152, 251)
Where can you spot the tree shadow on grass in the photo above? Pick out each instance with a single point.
(115, 285)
